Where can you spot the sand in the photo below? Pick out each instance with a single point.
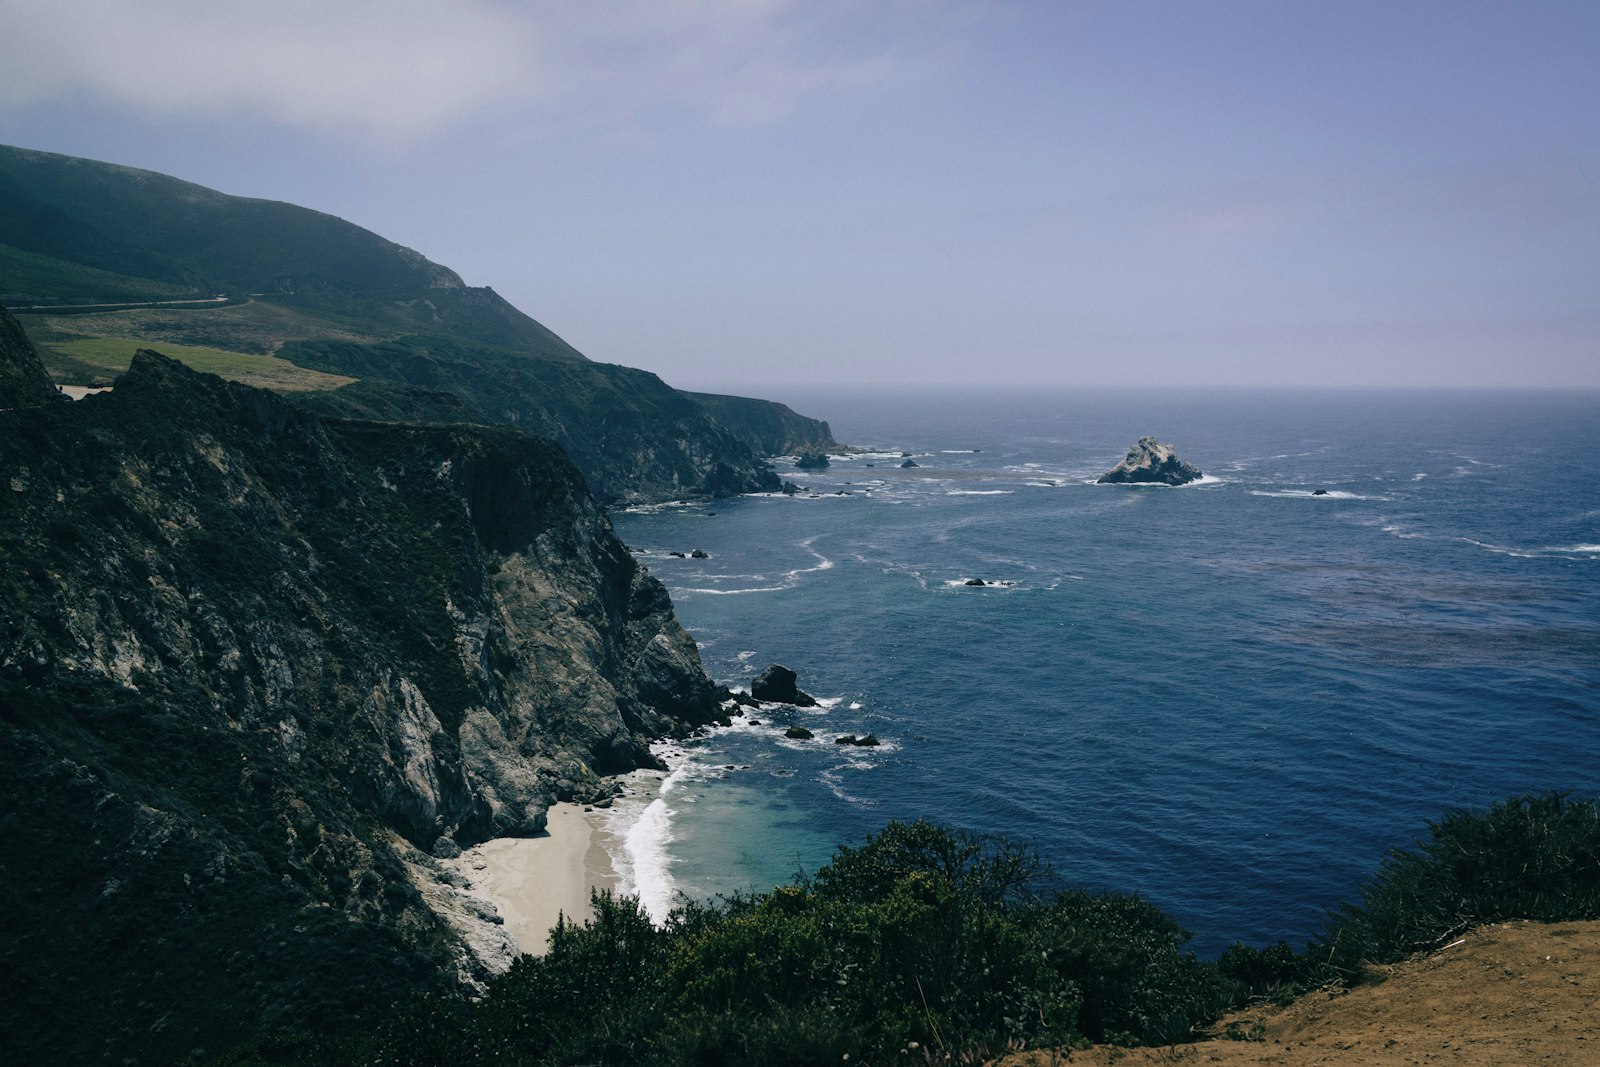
(534, 880)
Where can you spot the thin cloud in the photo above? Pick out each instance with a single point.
(398, 70)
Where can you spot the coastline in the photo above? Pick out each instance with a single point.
(533, 881)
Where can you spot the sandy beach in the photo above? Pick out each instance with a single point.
(534, 880)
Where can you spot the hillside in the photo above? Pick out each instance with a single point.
(1502, 996)
(256, 668)
(92, 253)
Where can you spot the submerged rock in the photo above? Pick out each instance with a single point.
(906, 464)
(776, 684)
(798, 733)
(1150, 461)
(1319, 492)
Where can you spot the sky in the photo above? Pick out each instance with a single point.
(744, 194)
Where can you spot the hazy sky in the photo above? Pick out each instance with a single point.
(739, 194)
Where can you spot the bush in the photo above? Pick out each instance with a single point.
(1530, 857)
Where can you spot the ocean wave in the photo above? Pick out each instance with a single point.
(835, 786)
(686, 589)
(641, 830)
(1203, 481)
(1309, 494)
(1541, 552)
(979, 492)
(656, 509)
(791, 578)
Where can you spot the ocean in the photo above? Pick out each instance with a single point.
(1231, 697)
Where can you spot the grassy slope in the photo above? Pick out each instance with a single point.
(106, 357)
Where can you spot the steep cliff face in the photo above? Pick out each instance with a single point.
(634, 437)
(767, 427)
(256, 665)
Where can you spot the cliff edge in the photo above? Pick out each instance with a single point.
(258, 667)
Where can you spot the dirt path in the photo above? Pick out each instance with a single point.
(1516, 993)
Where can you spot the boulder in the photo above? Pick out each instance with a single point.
(699, 554)
(1151, 462)
(776, 684)
(869, 741)
(974, 581)
(909, 463)
(812, 461)
(798, 733)
(1320, 492)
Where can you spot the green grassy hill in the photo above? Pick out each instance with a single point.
(327, 296)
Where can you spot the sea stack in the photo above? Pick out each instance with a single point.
(776, 685)
(1151, 462)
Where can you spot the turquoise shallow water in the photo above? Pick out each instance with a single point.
(1231, 696)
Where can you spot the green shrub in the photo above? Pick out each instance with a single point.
(1530, 857)
(1277, 972)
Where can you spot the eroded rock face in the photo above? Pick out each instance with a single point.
(23, 380)
(1151, 461)
(257, 666)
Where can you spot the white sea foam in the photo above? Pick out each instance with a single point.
(1542, 552)
(1308, 494)
(979, 492)
(643, 863)
(656, 509)
(835, 785)
(1394, 529)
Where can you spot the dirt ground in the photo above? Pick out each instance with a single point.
(1510, 994)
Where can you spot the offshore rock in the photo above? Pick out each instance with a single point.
(1151, 461)
(255, 666)
(811, 461)
(776, 685)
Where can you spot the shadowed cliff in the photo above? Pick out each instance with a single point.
(255, 667)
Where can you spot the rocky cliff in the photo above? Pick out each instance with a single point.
(255, 667)
(767, 427)
(23, 380)
(634, 437)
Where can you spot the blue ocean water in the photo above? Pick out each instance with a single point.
(1231, 697)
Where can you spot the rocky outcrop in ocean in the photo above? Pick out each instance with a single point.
(777, 685)
(1151, 461)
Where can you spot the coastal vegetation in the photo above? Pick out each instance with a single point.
(925, 944)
